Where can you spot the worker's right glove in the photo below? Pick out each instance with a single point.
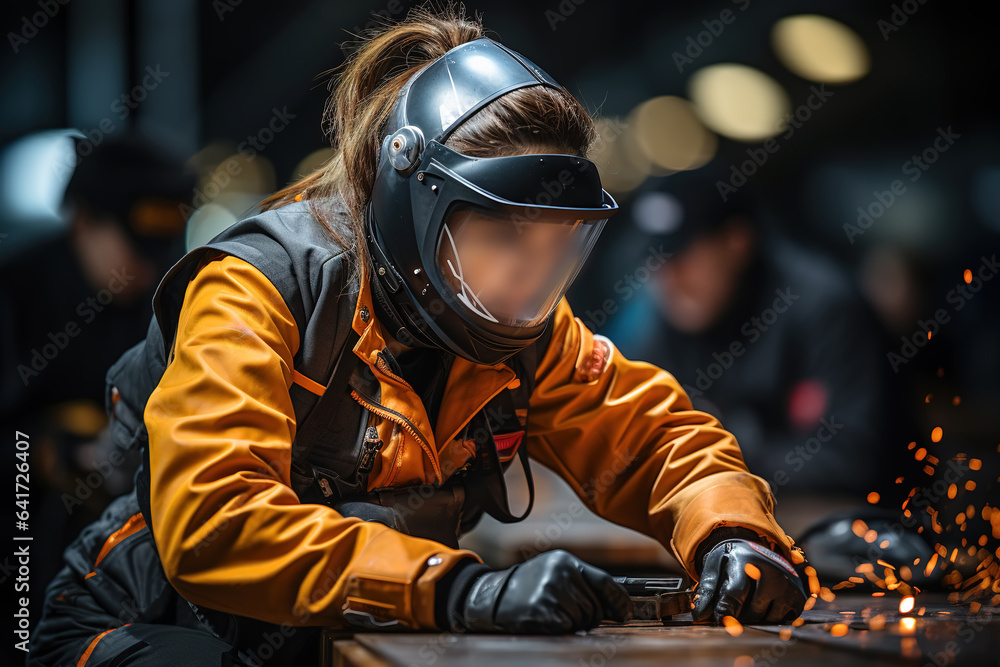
(743, 579)
(551, 593)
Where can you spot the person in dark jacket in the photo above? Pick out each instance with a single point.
(70, 304)
(769, 335)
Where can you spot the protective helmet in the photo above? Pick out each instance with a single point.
(473, 254)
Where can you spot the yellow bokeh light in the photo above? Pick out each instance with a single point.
(820, 49)
(739, 102)
(619, 174)
(312, 161)
(668, 134)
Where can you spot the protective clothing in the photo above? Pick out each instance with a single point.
(749, 582)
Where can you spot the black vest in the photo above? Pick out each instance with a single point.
(306, 265)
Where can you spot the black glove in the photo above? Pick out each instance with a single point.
(550, 593)
(726, 588)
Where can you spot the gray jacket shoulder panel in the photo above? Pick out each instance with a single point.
(303, 261)
(300, 257)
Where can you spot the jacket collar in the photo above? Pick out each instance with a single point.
(469, 386)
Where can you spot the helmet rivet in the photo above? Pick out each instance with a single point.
(381, 270)
(420, 176)
(405, 147)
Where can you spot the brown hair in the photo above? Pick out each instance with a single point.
(523, 121)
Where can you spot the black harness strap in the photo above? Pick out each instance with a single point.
(486, 485)
(485, 481)
(321, 421)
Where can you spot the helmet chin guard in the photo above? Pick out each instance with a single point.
(473, 254)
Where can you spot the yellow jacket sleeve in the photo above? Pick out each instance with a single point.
(230, 531)
(632, 448)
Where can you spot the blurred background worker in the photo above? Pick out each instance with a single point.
(72, 301)
(125, 220)
(768, 334)
(775, 338)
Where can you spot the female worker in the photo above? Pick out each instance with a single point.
(331, 388)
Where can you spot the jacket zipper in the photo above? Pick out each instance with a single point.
(383, 366)
(369, 449)
(392, 415)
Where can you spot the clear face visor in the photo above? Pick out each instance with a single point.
(510, 271)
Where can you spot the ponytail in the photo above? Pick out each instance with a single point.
(362, 95)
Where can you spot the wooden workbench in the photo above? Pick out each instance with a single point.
(874, 634)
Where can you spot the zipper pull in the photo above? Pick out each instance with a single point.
(369, 450)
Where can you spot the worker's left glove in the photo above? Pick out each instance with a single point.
(554, 592)
(750, 582)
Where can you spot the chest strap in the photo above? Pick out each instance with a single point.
(484, 481)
